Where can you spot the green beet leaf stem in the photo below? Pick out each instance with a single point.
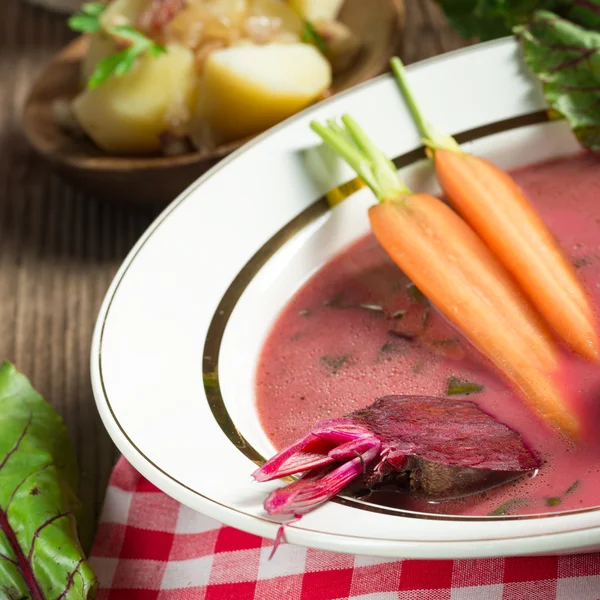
(353, 145)
(431, 138)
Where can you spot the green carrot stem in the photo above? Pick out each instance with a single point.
(383, 168)
(364, 142)
(431, 138)
(348, 152)
(336, 127)
(353, 145)
(400, 74)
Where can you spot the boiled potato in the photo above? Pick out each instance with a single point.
(317, 9)
(248, 88)
(128, 113)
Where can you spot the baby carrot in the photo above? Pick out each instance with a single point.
(496, 208)
(454, 268)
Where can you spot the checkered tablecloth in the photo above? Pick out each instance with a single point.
(150, 547)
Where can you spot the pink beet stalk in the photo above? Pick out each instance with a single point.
(312, 490)
(313, 450)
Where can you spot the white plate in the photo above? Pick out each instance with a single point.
(205, 283)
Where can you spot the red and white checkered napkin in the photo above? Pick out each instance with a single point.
(149, 547)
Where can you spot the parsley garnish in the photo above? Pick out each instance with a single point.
(334, 362)
(311, 36)
(507, 507)
(88, 21)
(460, 386)
(415, 294)
(572, 487)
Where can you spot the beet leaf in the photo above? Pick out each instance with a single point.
(40, 554)
(490, 19)
(560, 41)
(565, 57)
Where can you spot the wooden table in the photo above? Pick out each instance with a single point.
(59, 248)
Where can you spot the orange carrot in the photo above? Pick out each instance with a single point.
(453, 267)
(500, 213)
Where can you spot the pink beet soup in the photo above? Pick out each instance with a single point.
(358, 329)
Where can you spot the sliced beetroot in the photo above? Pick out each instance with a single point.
(446, 431)
(432, 481)
(436, 448)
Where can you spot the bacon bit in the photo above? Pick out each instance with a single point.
(159, 14)
(121, 43)
(187, 28)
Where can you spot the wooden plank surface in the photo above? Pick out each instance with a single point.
(59, 248)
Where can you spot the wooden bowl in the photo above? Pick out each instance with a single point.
(158, 179)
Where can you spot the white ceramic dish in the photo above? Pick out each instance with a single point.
(200, 290)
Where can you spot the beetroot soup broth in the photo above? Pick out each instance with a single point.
(358, 330)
